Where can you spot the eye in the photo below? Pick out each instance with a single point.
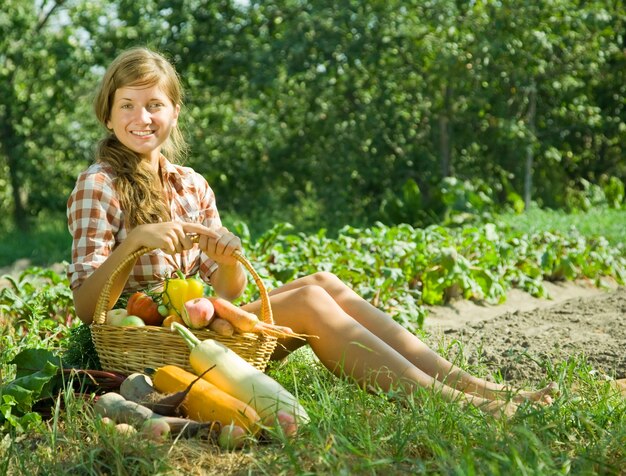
(156, 105)
(127, 106)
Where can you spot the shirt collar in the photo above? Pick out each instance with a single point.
(170, 174)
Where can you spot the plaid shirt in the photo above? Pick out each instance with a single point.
(97, 225)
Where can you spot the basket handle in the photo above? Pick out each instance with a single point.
(103, 300)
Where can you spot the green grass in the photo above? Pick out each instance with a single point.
(353, 432)
(606, 222)
(49, 242)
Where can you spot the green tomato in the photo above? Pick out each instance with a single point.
(132, 321)
(163, 310)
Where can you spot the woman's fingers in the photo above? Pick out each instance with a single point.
(176, 237)
(201, 230)
(227, 244)
(219, 244)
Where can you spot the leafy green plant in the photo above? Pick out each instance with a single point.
(35, 287)
(402, 269)
(585, 195)
(406, 207)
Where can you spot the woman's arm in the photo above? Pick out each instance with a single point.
(171, 237)
(229, 281)
(86, 296)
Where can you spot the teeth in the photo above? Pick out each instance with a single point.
(142, 133)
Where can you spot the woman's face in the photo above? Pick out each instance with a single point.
(142, 119)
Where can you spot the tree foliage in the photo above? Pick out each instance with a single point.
(331, 113)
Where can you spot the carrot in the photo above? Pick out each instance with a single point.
(241, 320)
(244, 321)
(277, 331)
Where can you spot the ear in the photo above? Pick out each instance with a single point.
(176, 113)
(108, 124)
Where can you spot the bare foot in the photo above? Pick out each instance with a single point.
(499, 408)
(542, 396)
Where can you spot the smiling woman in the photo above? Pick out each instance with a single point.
(133, 197)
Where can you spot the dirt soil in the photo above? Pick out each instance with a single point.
(520, 336)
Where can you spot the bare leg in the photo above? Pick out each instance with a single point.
(349, 349)
(407, 344)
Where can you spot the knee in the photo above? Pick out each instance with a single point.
(314, 301)
(311, 295)
(307, 309)
(326, 280)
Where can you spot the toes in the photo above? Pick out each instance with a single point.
(550, 391)
(553, 388)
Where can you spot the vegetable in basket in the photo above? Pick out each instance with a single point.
(197, 313)
(180, 290)
(115, 316)
(142, 305)
(243, 321)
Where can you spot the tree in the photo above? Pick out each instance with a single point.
(42, 88)
(540, 63)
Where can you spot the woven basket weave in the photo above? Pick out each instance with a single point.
(133, 349)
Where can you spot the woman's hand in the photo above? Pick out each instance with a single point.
(229, 279)
(220, 245)
(171, 237)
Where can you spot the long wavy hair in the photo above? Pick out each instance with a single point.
(138, 186)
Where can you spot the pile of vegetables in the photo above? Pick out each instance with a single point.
(226, 399)
(183, 301)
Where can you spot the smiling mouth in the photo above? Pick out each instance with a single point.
(142, 133)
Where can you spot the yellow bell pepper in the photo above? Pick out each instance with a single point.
(180, 290)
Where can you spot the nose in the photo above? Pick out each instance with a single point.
(144, 116)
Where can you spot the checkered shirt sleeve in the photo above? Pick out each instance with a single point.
(94, 219)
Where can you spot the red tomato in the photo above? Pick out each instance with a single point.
(142, 305)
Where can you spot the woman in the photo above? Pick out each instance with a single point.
(134, 197)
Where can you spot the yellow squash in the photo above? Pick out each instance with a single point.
(205, 401)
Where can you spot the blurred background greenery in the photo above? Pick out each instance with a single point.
(329, 113)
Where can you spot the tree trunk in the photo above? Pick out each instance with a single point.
(530, 154)
(10, 144)
(444, 135)
(12, 150)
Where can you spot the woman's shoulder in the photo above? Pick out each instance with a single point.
(179, 169)
(96, 177)
(97, 171)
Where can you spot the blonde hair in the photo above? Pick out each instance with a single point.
(138, 187)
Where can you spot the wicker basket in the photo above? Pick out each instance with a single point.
(133, 349)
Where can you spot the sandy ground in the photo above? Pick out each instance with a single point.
(520, 336)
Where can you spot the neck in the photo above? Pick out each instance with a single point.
(155, 161)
